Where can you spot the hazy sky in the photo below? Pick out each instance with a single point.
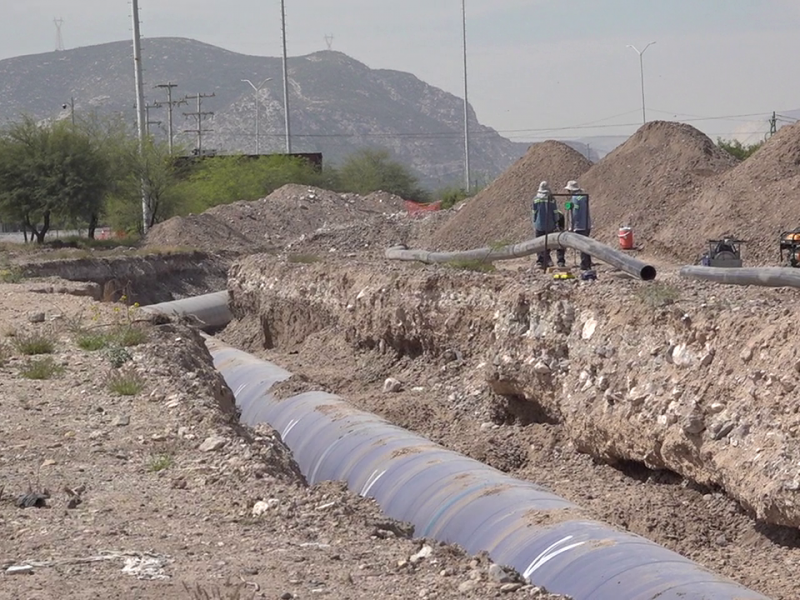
(537, 68)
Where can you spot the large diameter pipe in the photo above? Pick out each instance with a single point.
(455, 499)
(210, 309)
(564, 239)
(763, 276)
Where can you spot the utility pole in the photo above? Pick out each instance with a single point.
(199, 115)
(257, 90)
(285, 82)
(147, 121)
(773, 124)
(466, 102)
(170, 103)
(140, 118)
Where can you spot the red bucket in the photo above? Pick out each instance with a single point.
(626, 238)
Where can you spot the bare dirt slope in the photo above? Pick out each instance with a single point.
(502, 211)
(141, 495)
(290, 215)
(679, 386)
(648, 180)
(756, 201)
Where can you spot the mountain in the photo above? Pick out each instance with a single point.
(337, 104)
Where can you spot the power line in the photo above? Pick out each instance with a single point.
(199, 115)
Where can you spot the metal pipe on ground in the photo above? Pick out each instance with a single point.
(763, 276)
(455, 499)
(564, 239)
(210, 309)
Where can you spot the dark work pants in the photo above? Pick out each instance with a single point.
(586, 259)
(544, 259)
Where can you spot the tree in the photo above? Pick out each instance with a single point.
(225, 179)
(369, 170)
(49, 170)
(737, 149)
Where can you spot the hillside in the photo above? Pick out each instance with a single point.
(337, 104)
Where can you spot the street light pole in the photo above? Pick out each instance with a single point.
(285, 82)
(256, 90)
(641, 74)
(466, 102)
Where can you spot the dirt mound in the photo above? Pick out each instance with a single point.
(200, 232)
(647, 180)
(754, 201)
(501, 212)
(290, 213)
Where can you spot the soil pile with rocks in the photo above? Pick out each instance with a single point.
(502, 211)
(648, 180)
(756, 201)
(289, 214)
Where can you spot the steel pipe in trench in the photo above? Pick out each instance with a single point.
(763, 276)
(455, 499)
(564, 239)
(210, 309)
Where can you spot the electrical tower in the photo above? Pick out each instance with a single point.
(199, 115)
(59, 40)
(170, 104)
(773, 124)
(329, 41)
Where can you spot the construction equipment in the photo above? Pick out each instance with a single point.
(790, 242)
(724, 253)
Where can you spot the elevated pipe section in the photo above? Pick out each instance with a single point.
(210, 309)
(454, 499)
(564, 239)
(763, 276)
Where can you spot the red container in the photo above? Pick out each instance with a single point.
(626, 238)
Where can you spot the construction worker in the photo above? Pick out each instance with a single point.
(581, 222)
(545, 220)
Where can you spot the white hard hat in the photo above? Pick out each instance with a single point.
(544, 187)
(572, 186)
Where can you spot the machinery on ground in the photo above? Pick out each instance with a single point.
(725, 253)
(790, 243)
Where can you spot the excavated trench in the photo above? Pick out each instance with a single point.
(143, 279)
(659, 409)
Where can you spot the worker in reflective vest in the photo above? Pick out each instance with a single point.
(545, 220)
(578, 205)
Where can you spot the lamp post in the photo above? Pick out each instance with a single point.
(466, 102)
(257, 89)
(285, 82)
(641, 73)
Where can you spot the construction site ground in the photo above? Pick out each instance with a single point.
(665, 408)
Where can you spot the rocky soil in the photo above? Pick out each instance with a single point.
(678, 396)
(124, 472)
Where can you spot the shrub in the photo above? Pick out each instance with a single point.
(42, 368)
(125, 382)
(34, 343)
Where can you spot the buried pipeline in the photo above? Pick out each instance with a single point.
(564, 239)
(455, 499)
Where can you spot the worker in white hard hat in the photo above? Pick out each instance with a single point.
(580, 223)
(545, 220)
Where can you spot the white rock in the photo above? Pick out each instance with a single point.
(259, 508)
(424, 552)
(589, 328)
(213, 443)
(392, 385)
(541, 368)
